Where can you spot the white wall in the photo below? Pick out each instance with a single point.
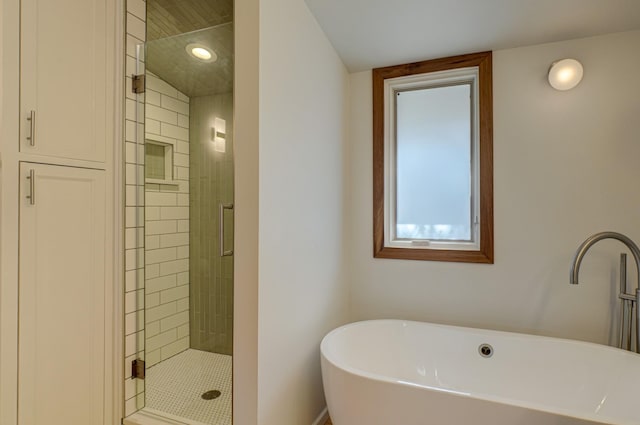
(566, 166)
(302, 288)
(246, 210)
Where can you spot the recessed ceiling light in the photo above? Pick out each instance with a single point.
(201, 52)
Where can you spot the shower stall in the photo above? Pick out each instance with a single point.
(188, 224)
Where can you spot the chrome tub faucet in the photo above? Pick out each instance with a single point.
(630, 302)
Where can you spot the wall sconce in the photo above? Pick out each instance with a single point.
(219, 135)
(565, 74)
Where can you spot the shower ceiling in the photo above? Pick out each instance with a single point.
(170, 17)
(172, 25)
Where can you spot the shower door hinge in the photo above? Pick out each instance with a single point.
(137, 369)
(137, 83)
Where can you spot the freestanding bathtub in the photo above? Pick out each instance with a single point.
(393, 372)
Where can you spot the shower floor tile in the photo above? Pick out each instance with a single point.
(175, 386)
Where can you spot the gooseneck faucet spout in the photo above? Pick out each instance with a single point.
(584, 247)
(635, 251)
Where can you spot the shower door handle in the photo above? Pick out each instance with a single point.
(223, 207)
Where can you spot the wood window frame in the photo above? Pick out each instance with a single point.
(483, 61)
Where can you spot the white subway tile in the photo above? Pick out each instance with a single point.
(163, 139)
(183, 97)
(130, 132)
(165, 117)
(138, 8)
(152, 271)
(152, 300)
(156, 84)
(183, 121)
(152, 127)
(130, 195)
(181, 159)
(152, 213)
(133, 322)
(152, 242)
(182, 173)
(133, 237)
(161, 339)
(171, 130)
(132, 69)
(173, 104)
(174, 321)
(160, 312)
(136, 27)
(183, 278)
(183, 330)
(153, 358)
(160, 255)
(174, 294)
(182, 147)
(130, 345)
(134, 280)
(183, 252)
(153, 97)
(174, 239)
(174, 348)
(182, 304)
(130, 388)
(183, 199)
(161, 283)
(132, 42)
(152, 329)
(172, 267)
(183, 226)
(174, 213)
(161, 199)
(161, 227)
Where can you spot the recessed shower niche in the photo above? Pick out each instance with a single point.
(188, 217)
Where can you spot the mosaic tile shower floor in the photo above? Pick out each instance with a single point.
(175, 387)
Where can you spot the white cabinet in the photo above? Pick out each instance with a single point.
(63, 296)
(66, 81)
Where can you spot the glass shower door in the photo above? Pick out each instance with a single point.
(188, 222)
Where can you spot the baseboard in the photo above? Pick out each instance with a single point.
(322, 418)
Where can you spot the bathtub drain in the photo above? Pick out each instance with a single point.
(485, 350)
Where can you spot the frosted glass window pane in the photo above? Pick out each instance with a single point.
(433, 186)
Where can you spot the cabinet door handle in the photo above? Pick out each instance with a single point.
(223, 207)
(32, 187)
(32, 128)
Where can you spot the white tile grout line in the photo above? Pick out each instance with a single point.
(175, 386)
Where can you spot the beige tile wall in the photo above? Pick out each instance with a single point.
(211, 184)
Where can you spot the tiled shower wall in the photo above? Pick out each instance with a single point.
(211, 184)
(167, 227)
(134, 211)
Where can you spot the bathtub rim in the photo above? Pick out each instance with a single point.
(588, 416)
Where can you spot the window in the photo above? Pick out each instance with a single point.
(433, 173)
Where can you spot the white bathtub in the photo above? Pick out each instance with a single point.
(392, 372)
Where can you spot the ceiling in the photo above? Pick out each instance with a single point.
(172, 25)
(374, 33)
(170, 17)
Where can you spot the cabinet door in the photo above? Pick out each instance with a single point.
(62, 292)
(65, 78)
